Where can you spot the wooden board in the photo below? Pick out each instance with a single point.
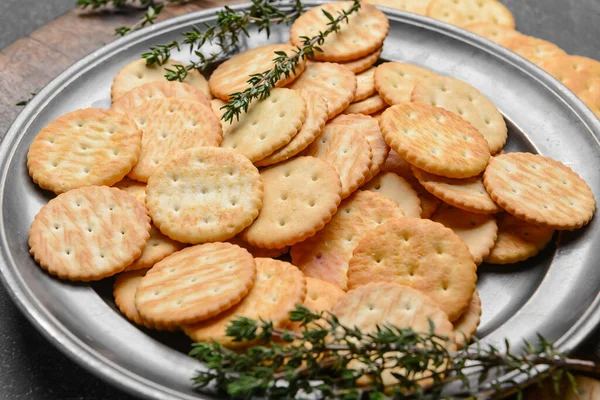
(31, 62)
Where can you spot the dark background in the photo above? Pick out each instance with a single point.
(31, 368)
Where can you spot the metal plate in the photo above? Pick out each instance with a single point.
(555, 294)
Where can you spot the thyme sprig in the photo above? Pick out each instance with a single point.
(327, 358)
(284, 65)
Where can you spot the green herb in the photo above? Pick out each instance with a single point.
(323, 360)
(25, 102)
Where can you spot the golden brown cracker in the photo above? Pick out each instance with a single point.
(413, 6)
(135, 188)
(257, 252)
(395, 81)
(158, 247)
(370, 105)
(465, 12)
(361, 64)
(365, 85)
(466, 326)
(495, 33)
(399, 190)
(533, 49)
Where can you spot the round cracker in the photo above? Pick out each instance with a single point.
(334, 82)
(465, 12)
(363, 63)
(395, 81)
(493, 32)
(360, 34)
(204, 194)
(435, 140)
(84, 148)
(158, 90)
(367, 106)
(347, 151)
(158, 247)
(135, 188)
(137, 73)
(517, 240)
(126, 284)
(326, 254)
(232, 76)
(468, 194)
(257, 252)
(421, 254)
(460, 98)
(539, 190)
(369, 128)
(466, 326)
(533, 49)
(195, 284)
(89, 233)
(365, 85)
(316, 117)
(413, 6)
(170, 125)
(279, 286)
(300, 197)
(267, 125)
(399, 190)
(478, 231)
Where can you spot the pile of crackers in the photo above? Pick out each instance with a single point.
(384, 187)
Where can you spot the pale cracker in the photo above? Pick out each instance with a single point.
(435, 140)
(326, 254)
(83, 148)
(279, 286)
(466, 326)
(413, 6)
(347, 151)
(377, 115)
(370, 105)
(369, 128)
(321, 296)
(195, 284)
(493, 32)
(126, 284)
(365, 85)
(300, 197)
(465, 12)
(170, 125)
(395, 81)
(257, 252)
(158, 247)
(89, 233)
(517, 240)
(135, 188)
(468, 194)
(533, 49)
(334, 82)
(397, 189)
(232, 75)
(362, 33)
(421, 254)
(363, 63)
(217, 107)
(137, 73)
(158, 90)
(591, 97)
(460, 98)
(268, 124)
(478, 231)
(316, 117)
(539, 190)
(204, 194)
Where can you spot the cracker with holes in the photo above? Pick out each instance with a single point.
(316, 117)
(362, 33)
(279, 286)
(363, 63)
(462, 99)
(397, 189)
(539, 190)
(533, 49)
(466, 326)
(478, 231)
(347, 151)
(321, 296)
(268, 124)
(334, 82)
(421, 254)
(158, 90)
(89, 233)
(435, 140)
(517, 240)
(204, 194)
(258, 252)
(137, 73)
(413, 6)
(171, 125)
(468, 194)
(493, 32)
(326, 255)
(369, 128)
(370, 105)
(126, 284)
(82, 148)
(465, 12)
(195, 284)
(300, 197)
(232, 75)
(365, 85)
(135, 188)
(395, 81)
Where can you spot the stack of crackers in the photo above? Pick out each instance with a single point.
(387, 186)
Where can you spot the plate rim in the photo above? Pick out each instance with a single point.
(113, 374)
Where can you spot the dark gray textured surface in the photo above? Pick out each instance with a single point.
(32, 369)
